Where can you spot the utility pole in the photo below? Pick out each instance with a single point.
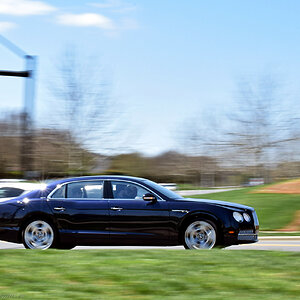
(28, 110)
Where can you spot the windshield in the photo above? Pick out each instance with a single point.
(163, 190)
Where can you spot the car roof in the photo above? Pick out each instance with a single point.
(97, 177)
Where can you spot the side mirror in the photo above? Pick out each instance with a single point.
(149, 197)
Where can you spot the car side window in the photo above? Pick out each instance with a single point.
(85, 190)
(59, 193)
(126, 190)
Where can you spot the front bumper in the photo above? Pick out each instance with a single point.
(242, 233)
(247, 236)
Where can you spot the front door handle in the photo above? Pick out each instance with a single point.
(116, 208)
(59, 208)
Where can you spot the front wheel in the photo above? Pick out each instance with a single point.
(200, 234)
(38, 234)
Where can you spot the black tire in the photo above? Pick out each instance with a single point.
(39, 234)
(200, 234)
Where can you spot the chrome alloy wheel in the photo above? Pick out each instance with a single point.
(200, 235)
(38, 235)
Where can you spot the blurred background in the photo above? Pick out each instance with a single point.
(174, 91)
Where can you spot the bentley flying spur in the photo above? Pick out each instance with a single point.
(121, 210)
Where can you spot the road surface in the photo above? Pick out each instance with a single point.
(203, 192)
(266, 243)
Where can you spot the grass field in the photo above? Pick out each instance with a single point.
(188, 186)
(279, 233)
(149, 274)
(274, 211)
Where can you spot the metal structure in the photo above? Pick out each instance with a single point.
(28, 111)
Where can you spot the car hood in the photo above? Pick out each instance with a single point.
(220, 203)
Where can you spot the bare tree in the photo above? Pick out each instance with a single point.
(192, 137)
(261, 125)
(10, 141)
(84, 104)
(256, 133)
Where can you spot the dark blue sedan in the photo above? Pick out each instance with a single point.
(119, 210)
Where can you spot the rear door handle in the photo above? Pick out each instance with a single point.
(116, 208)
(59, 208)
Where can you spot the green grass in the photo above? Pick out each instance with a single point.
(188, 186)
(149, 274)
(274, 210)
(279, 233)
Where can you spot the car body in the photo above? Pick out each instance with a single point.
(122, 210)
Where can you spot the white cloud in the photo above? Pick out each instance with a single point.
(118, 6)
(86, 20)
(24, 7)
(5, 26)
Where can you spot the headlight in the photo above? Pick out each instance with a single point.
(238, 217)
(246, 217)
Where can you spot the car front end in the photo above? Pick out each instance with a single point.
(242, 228)
(235, 223)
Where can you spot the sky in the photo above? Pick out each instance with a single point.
(168, 61)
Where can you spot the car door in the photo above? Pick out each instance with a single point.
(134, 221)
(81, 211)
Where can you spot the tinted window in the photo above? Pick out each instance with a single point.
(85, 189)
(59, 193)
(125, 190)
(7, 192)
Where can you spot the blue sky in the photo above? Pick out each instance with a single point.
(168, 60)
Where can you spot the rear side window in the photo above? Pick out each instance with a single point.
(85, 190)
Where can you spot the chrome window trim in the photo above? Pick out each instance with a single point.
(84, 199)
(64, 183)
(110, 180)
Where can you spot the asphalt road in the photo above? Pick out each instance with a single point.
(203, 192)
(267, 243)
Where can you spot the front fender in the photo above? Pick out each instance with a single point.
(199, 213)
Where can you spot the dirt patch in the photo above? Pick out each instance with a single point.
(294, 225)
(288, 187)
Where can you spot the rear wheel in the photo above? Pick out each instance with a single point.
(38, 234)
(200, 234)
